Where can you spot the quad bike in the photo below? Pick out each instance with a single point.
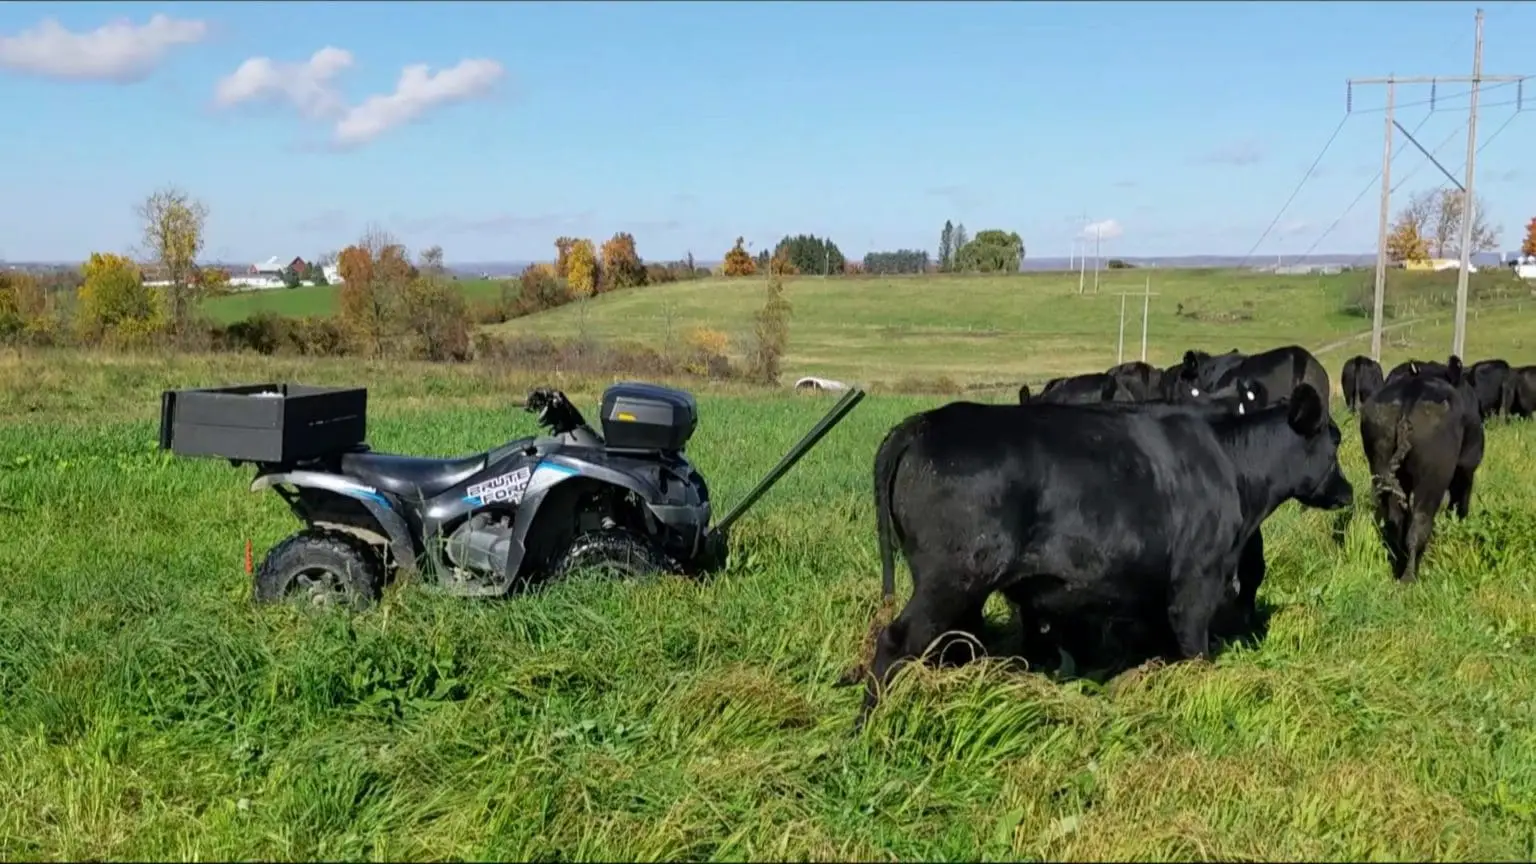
(627, 500)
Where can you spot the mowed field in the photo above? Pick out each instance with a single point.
(149, 710)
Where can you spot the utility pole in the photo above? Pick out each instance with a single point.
(1468, 203)
(1475, 79)
(1146, 296)
(1378, 303)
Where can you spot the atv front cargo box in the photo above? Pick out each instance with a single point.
(272, 423)
(648, 417)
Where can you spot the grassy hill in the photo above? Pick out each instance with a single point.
(1030, 327)
(1005, 329)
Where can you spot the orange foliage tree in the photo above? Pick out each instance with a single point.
(374, 273)
(1405, 243)
(738, 262)
(622, 267)
(1529, 246)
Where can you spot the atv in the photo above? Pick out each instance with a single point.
(627, 500)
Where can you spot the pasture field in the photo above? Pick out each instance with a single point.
(1031, 327)
(317, 300)
(148, 710)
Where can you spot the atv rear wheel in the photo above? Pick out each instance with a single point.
(321, 568)
(615, 552)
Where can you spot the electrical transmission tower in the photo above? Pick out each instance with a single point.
(1468, 215)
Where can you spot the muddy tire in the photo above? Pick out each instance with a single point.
(616, 553)
(319, 568)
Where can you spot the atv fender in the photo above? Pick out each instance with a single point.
(390, 522)
(683, 514)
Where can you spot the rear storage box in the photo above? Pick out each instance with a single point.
(648, 417)
(273, 423)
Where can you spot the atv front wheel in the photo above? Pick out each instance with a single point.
(615, 552)
(323, 569)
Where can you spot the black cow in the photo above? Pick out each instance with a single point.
(1415, 368)
(1423, 437)
(1361, 378)
(1274, 372)
(1083, 390)
(1142, 380)
(1490, 380)
(1522, 385)
(1080, 514)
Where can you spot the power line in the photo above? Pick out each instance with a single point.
(1363, 192)
(1294, 192)
(1435, 151)
(1434, 101)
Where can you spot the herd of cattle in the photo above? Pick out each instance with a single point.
(1120, 512)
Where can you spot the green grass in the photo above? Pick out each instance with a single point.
(1029, 327)
(312, 300)
(149, 711)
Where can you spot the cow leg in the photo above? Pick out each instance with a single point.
(1196, 596)
(1392, 522)
(940, 603)
(1421, 525)
(1461, 492)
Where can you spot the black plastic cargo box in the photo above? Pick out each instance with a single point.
(272, 423)
(648, 417)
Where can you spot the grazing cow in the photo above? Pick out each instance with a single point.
(1522, 385)
(1142, 380)
(1490, 380)
(1277, 371)
(1361, 378)
(1083, 390)
(1080, 514)
(1423, 437)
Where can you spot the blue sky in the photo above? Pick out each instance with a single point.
(690, 123)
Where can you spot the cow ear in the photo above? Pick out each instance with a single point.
(1107, 392)
(1023, 393)
(1307, 412)
(1190, 366)
(1453, 369)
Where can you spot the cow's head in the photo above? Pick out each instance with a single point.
(1320, 482)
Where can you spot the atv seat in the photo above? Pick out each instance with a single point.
(412, 477)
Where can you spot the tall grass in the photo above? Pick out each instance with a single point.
(148, 710)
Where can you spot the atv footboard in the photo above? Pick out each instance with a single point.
(269, 424)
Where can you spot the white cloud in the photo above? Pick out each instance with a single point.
(307, 86)
(119, 51)
(1108, 229)
(310, 87)
(417, 92)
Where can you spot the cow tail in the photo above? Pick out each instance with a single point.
(887, 460)
(1388, 482)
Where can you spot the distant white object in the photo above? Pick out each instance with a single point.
(810, 383)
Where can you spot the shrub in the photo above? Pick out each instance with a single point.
(435, 319)
(771, 332)
(705, 352)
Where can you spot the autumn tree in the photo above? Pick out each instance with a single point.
(435, 318)
(114, 302)
(771, 333)
(23, 304)
(738, 261)
(582, 269)
(374, 273)
(622, 267)
(1405, 243)
(172, 224)
(563, 256)
(1437, 215)
(1529, 246)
